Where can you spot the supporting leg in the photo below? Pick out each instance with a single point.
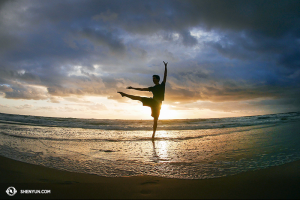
(154, 127)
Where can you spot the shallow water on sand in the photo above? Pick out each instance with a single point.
(218, 147)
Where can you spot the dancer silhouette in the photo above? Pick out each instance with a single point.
(154, 103)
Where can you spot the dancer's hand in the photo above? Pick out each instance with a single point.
(165, 63)
(129, 87)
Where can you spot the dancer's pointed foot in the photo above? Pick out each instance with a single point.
(122, 93)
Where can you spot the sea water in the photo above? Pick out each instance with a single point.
(186, 148)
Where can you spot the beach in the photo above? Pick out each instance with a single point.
(229, 158)
(275, 182)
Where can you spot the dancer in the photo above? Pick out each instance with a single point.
(154, 103)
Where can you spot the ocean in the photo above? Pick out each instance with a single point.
(183, 148)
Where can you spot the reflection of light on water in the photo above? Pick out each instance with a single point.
(161, 146)
(161, 134)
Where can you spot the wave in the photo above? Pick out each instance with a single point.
(104, 139)
(132, 138)
(174, 124)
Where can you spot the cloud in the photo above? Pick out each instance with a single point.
(106, 16)
(19, 91)
(25, 106)
(46, 108)
(103, 37)
(96, 106)
(218, 51)
(187, 38)
(9, 76)
(4, 106)
(5, 88)
(85, 84)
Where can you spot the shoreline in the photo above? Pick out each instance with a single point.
(274, 182)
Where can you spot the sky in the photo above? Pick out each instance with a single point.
(69, 58)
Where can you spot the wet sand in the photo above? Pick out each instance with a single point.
(275, 182)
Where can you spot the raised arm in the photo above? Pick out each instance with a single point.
(140, 89)
(165, 74)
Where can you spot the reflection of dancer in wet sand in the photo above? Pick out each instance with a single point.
(154, 103)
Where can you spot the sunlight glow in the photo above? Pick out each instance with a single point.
(166, 112)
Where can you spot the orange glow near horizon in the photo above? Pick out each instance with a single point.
(167, 113)
(103, 108)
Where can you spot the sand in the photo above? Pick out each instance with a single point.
(275, 182)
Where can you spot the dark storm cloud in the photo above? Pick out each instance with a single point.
(273, 19)
(8, 75)
(98, 47)
(103, 37)
(28, 92)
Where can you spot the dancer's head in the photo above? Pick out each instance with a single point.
(156, 79)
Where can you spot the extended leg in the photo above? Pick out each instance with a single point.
(131, 96)
(154, 127)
